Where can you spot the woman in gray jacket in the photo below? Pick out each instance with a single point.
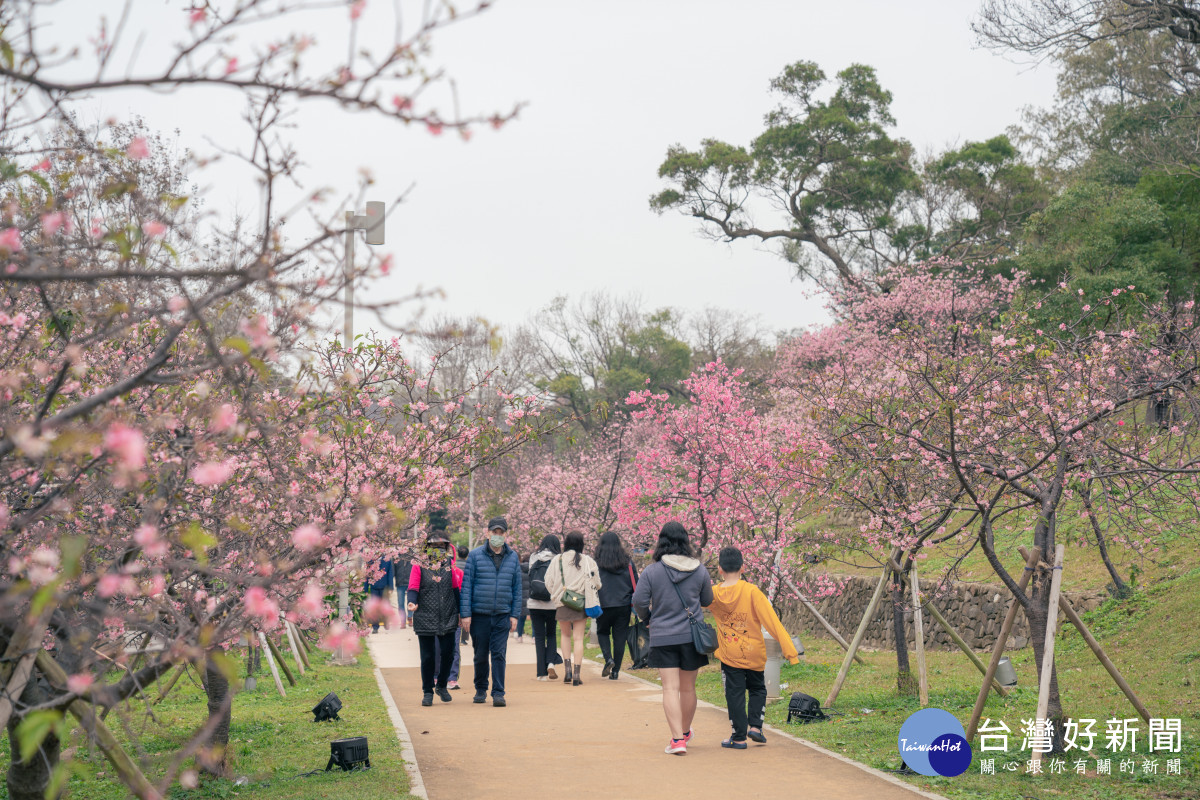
(674, 584)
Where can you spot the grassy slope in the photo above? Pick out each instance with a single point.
(272, 741)
(1148, 637)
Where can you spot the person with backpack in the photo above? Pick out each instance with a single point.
(574, 583)
(617, 581)
(672, 592)
(434, 585)
(542, 608)
(491, 603)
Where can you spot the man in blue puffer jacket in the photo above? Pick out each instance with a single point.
(490, 605)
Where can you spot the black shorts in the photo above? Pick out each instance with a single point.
(677, 656)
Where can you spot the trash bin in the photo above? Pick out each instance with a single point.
(774, 663)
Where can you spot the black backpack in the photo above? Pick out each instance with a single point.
(805, 708)
(537, 581)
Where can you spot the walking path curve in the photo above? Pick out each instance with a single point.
(602, 740)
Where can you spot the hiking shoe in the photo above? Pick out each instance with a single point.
(427, 700)
(498, 702)
(734, 744)
(757, 736)
(480, 697)
(550, 673)
(608, 668)
(677, 747)
(444, 695)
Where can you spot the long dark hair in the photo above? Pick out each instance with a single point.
(574, 541)
(550, 542)
(673, 540)
(611, 554)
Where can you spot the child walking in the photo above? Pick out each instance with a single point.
(742, 611)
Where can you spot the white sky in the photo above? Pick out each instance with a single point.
(556, 202)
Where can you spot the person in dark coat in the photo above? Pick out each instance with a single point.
(379, 588)
(491, 604)
(434, 588)
(618, 577)
(524, 599)
(541, 611)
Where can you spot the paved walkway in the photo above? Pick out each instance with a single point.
(602, 740)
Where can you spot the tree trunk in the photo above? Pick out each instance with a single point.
(1037, 616)
(906, 682)
(216, 685)
(28, 781)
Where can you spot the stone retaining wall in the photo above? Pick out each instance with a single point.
(976, 610)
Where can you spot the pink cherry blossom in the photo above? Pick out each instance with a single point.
(262, 607)
(53, 222)
(127, 444)
(153, 229)
(308, 537)
(80, 682)
(223, 419)
(177, 303)
(402, 103)
(231, 66)
(356, 8)
(196, 16)
(10, 240)
(138, 148)
(434, 127)
(212, 473)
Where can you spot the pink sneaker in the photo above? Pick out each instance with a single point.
(677, 747)
(687, 737)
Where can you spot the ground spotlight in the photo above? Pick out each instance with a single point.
(348, 754)
(328, 708)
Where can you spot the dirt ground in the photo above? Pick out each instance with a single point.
(603, 739)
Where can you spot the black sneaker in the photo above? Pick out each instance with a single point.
(480, 697)
(757, 736)
(498, 702)
(427, 700)
(444, 694)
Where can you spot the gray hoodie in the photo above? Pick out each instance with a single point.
(656, 601)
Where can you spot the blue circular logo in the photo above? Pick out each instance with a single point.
(932, 742)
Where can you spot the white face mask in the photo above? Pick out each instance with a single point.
(496, 540)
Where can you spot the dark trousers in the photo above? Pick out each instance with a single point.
(521, 621)
(490, 632)
(613, 622)
(436, 657)
(739, 682)
(454, 663)
(544, 644)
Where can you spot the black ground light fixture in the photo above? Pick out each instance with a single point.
(348, 754)
(328, 708)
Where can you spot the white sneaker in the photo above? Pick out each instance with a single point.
(543, 678)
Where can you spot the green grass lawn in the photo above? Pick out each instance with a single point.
(1149, 637)
(272, 741)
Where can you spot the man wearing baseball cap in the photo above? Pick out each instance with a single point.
(490, 606)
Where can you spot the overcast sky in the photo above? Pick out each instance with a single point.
(556, 202)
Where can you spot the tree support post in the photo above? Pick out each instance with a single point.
(858, 637)
(1043, 703)
(812, 609)
(271, 663)
(275, 651)
(1031, 560)
(83, 711)
(966, 648)
(919, 636)
(287, 629)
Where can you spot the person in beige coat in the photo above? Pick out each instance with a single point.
(577, 572)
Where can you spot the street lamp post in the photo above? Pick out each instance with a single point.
(372, 222)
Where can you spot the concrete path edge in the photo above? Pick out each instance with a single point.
(416, 784)
(870, 770)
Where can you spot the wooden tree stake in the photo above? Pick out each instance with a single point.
(1031, 561)
(812, 609)
(303, 650)
(966, 648)
(1048, 652)
(1065, 605)
(282, 664)
(858, 637)
(287, 629)
(271, 663)
(919, 635)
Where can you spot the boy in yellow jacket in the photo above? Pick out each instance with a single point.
(742, 611)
